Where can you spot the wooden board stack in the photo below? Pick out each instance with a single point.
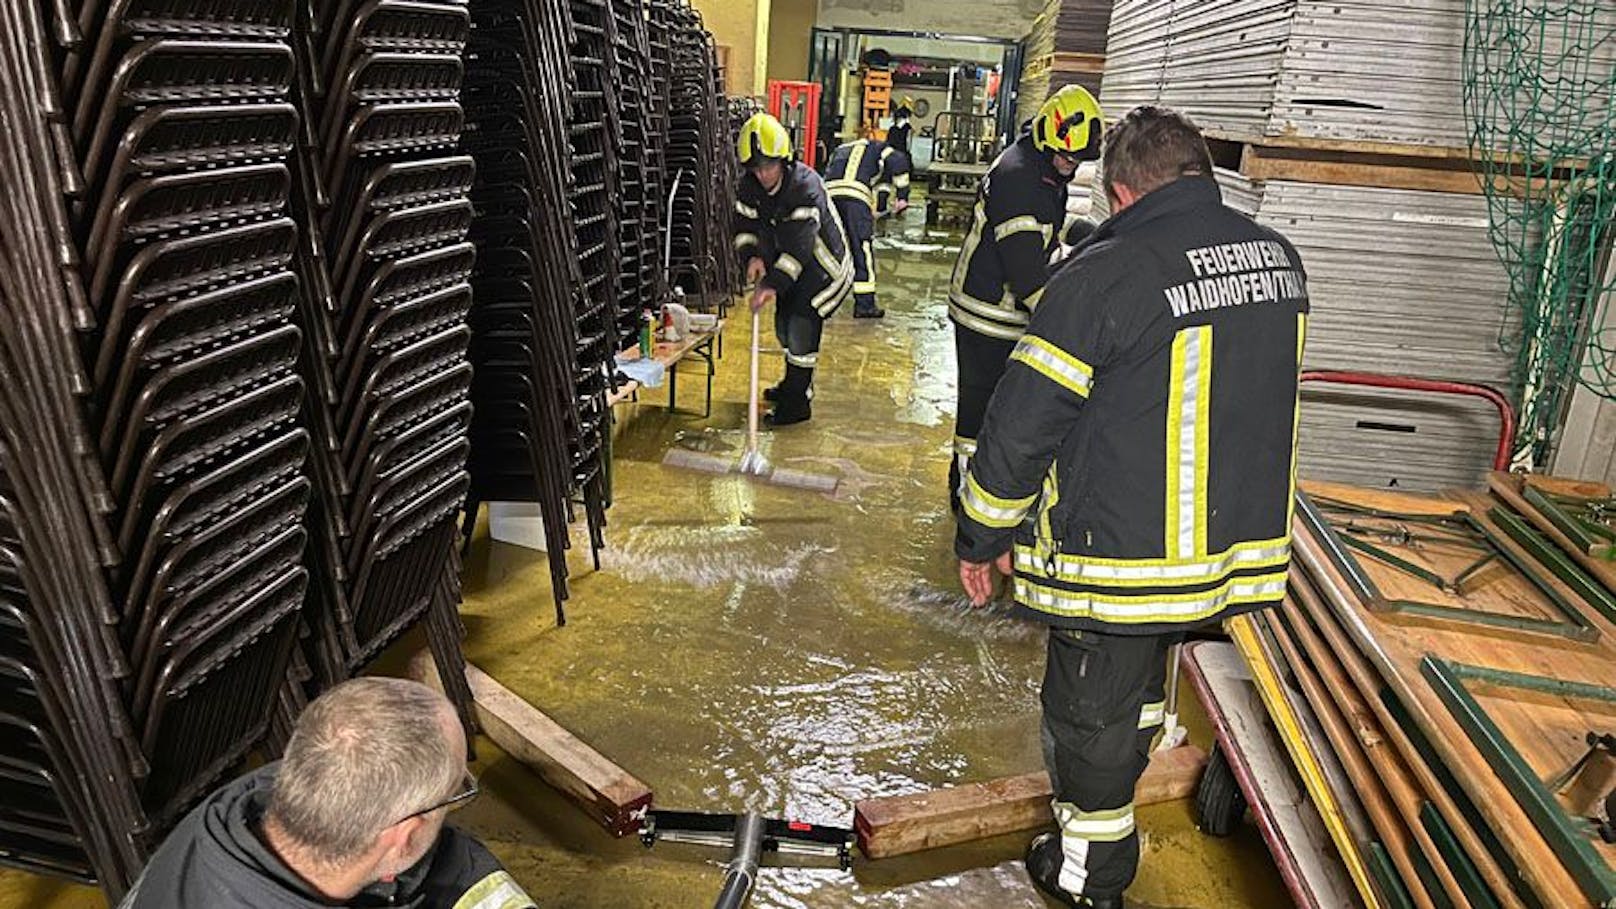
(1066, 46)
(1456, 651)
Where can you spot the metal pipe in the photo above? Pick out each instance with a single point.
(742, 870)
(1506, 412)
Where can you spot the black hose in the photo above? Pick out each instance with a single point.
(741, 872)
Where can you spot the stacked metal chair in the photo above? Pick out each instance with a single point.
(387, 263)
(638, 204)
(535, 397)
(152, 579)
(233, 390)
(699, 146)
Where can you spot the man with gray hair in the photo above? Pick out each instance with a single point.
(352, 815)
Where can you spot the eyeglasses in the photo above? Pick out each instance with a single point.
(468, 791)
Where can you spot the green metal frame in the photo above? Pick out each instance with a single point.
(1458, 528)
(1393, 888)
(1567, 835)
(1471, 883)
(1555, 559)
(1571, 515)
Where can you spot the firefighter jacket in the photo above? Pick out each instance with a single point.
(1139, 454)
(796, 231)
(215, 858)
(1004, 261)
(863, 168)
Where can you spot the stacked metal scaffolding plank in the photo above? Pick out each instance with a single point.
(386, 267)
(1360, 70)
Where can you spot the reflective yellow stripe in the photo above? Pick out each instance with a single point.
(964, 446)
(1047, 503)
(1032, 301)
(1152, 714)
(746, 210)
(1203, 441)
(1296, 414)
(867, 286)
(990, 510)
(1019, 224)
(901, 180)
(1055, 364)
(805, 213)
(742, 241)
(807, 361)
(973, 239)
(1095, 826)
(1188, 419)
(496, 891)
(1076, 569)
(789, 264)
(1151, 608)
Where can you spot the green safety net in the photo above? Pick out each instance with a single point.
(1540, 81)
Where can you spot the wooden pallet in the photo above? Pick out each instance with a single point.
(1343, 162)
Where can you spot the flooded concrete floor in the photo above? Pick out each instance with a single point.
(751, 646)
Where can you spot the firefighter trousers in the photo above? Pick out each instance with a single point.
(859, 221)
(1103, 703)
(981, 361)
(798, 327)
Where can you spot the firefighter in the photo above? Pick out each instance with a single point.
(793, 246)
(1004, 260)
(856, 172)
(899, 132)
(352, 815)
(1135, 471)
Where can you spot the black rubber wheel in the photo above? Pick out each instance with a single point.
(1219, 803)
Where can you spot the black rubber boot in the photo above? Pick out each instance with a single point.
(772, 393)
(864, 307)
(1043, 861)
(787, 413)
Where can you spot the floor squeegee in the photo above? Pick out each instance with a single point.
(748, 837)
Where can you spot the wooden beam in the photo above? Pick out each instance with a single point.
(605, 791)
(898, 825)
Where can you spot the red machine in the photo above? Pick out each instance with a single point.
(796, 106)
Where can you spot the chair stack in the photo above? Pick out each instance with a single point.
(699, 140)
(533, 391)
(640, 202)
(152, 582)
(387, 268)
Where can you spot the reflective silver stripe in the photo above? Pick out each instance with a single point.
(964, 446)
(1003, 311)
(1074, 569)
(1021, 224)
(807, 361)
(851, 189)
(1055, 364)
(1074, 873)
(789, 264)
(901, 180)
(827, 300)
(1095, 826)
(1152, 714)
(1151, 608)
(990, 510)
(496, 891)
(805, 213)
(742, 241)
(747, 210)
(1003, 330)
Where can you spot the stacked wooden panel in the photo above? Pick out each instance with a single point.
(1066, 46)
(1454, 653)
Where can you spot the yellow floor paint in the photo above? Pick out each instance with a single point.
(746, 645)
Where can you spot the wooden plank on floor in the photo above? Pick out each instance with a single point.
(898, 825)
(605, 791)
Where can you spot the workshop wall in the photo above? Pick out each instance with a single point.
(791, 24)
(734, 24)
(987, 18)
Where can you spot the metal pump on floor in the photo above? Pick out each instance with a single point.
(748, 836)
